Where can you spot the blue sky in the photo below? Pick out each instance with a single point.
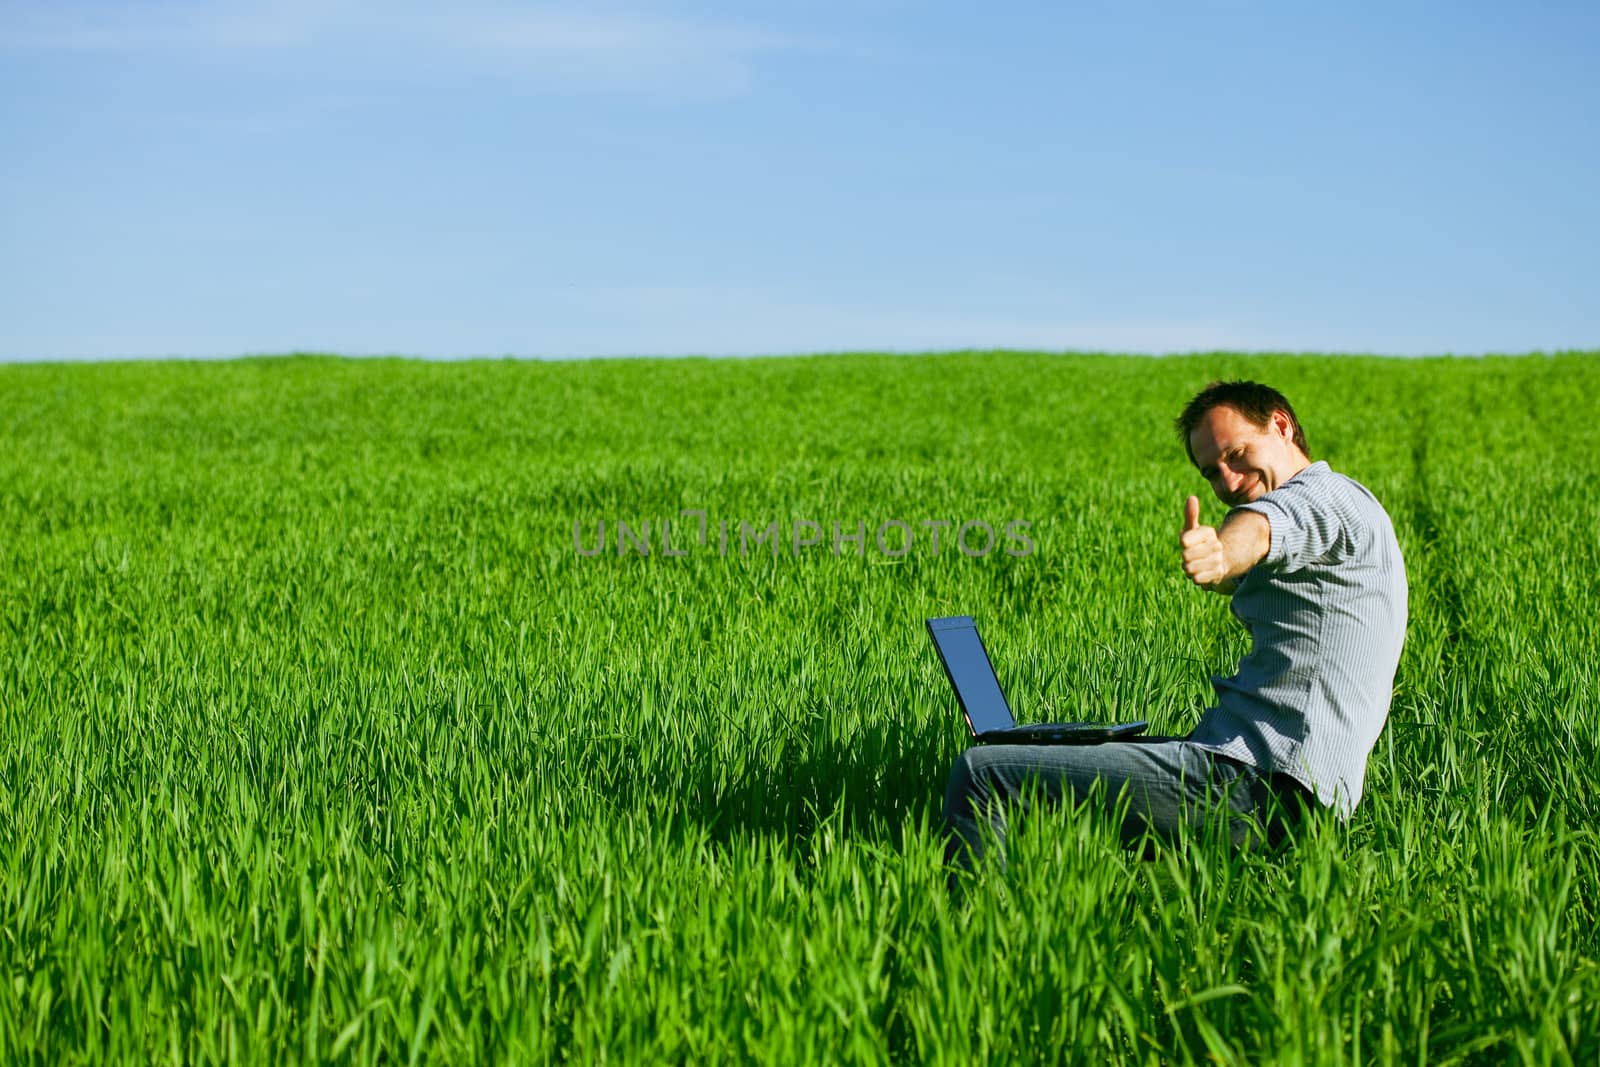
(212, 179)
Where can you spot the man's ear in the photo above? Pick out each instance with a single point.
(1283, 425)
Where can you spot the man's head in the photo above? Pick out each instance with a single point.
(1244, 438)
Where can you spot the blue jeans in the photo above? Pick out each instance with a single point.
(1168, 782)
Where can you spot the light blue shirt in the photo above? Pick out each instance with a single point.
(1326, 612)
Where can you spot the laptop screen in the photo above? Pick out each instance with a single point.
(967, 663)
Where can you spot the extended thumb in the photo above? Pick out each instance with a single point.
(1191, 514)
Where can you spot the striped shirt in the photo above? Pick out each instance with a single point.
(1326, 612)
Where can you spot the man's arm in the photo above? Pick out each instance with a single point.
(1216, 558)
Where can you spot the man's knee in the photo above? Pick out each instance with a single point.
(965, 781)
(976, 828)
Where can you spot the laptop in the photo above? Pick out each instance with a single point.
(966, 661)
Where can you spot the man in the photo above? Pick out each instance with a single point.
(1310, 561)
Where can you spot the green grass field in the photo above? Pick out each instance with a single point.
(321, 740)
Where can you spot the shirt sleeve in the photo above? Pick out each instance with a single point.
(1307, 526)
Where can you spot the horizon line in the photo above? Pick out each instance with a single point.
(413, 357)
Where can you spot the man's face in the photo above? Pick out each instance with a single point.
(1241, 461)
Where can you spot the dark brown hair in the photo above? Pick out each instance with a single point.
(1253, 400)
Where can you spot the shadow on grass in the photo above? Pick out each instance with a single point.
(785, 779)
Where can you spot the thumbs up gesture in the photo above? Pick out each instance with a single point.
(1204, 560)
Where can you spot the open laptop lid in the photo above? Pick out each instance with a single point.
(972, 676)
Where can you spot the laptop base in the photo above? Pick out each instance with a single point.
(1062, 733)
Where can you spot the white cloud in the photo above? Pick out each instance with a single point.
(656, 320)
(569, 46)
(609, 50)
(674, 320)
(29, 25)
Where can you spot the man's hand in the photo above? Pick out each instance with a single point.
(1214, 559)
(1204, 560)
